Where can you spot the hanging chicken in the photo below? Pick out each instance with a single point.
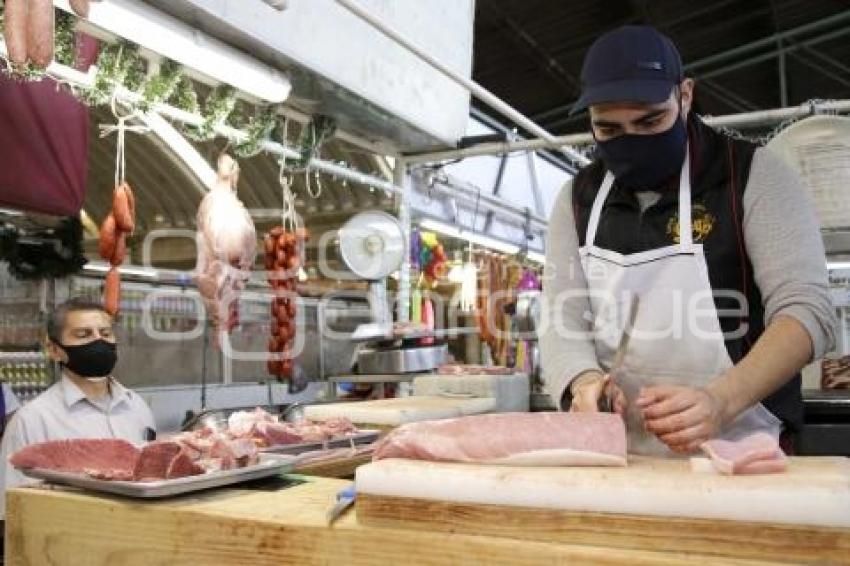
(227, 247)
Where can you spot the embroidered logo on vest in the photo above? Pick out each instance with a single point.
(702, 220)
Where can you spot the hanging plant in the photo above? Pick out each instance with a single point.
(217, 107)
(118, 64)
(313, 135)
(259, 129)
(184, 96)
(161, 86)
(66, 39)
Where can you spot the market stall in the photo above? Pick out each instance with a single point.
(318, 268)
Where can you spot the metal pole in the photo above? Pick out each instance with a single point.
(474, 88)
(755, 118)
(401, 177)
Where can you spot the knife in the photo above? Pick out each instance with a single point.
(606, 402)
(344, 500)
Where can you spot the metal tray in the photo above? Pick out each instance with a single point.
(269, 465)
(362, 437)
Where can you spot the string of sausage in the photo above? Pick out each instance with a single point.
(29, 29)
(113, 242)
(282, 261)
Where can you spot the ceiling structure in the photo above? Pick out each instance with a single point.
(745, 55)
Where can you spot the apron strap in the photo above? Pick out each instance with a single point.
(596, 211)
(686, 230)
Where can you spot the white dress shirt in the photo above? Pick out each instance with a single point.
(11, 400)
(64, 412)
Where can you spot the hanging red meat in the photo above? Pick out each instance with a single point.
(283, 253)
(227, 247)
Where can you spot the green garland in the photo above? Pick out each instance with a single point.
(259, 129)
(313, 135)
(184, 96)
(120, 64)
(66, 39)
(161, 86)
(218, 106)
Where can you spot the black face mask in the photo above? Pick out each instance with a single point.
(95, 359)
(645, 161)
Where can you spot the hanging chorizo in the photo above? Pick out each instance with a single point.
(108, 238)
(120, 250)
(80, 7)
(112, 291)
(40, 32)
(124, 207)
(15, 30)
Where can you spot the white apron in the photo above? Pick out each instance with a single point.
(677, 339)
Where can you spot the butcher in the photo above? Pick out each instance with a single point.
(717, 239)
(87, 401)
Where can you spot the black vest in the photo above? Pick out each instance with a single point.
(720, 168)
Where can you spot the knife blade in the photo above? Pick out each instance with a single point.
(606, 402)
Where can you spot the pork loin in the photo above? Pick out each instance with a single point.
(521, 439)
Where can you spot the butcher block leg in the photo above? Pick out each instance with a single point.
(714, 538)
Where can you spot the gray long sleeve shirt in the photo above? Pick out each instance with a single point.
(783, 243)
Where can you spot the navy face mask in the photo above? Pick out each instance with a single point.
(93, 360)
(645, 161)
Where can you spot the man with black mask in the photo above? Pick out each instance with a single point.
(718, 241)
(86, 402)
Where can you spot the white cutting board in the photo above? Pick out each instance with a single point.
(401, 410)
(813, 491)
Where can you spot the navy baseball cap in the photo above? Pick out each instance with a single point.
(629, 64)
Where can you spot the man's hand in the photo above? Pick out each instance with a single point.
(588, 388)
(681, 417)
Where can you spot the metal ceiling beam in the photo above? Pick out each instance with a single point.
(772, 54)
(539, 55)
(836, 64)
(770, 41)
(830, 21)
(809, 62)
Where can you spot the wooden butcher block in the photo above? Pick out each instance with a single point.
(401, 410)
(802, 515)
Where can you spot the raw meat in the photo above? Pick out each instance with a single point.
(522, 439)
(227, 247)
(266, 430)
(273, 434)
(470, 369)
(758, 453)
(184, 455)
(164, 460)
(105, 457)
(835, 373)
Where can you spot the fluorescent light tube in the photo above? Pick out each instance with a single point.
(105, 267)
(478, 239)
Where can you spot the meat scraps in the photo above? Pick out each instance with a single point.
(528, 439)
(266, 430)
(758, 453)
(470, 369)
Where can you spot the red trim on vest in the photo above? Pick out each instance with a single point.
(742, 252)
